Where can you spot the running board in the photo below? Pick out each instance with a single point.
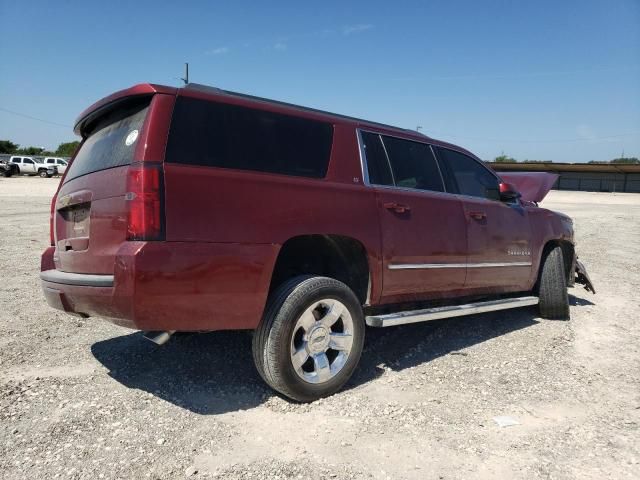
(414, 316)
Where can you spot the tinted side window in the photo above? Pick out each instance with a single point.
(413, 164)
(228, 136)
(26, 160)
(377, 164)
(471, 178)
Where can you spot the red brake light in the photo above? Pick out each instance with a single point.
(144, 197)
(52, 213)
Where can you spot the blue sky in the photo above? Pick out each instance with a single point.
(542, 80)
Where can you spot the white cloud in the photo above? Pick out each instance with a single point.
(218, 51)
(358, 28)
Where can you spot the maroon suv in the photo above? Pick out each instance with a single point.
(199, 209)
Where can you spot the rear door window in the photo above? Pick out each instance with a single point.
(469, 176)
(112, 139)
(413, 164)
(377, 164)
(229, 136)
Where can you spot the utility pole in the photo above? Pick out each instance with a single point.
(418, 128)
(185, 79)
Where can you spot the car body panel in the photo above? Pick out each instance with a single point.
(499, 245)
(533, 186)
(412, 245)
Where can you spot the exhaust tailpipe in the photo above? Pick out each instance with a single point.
(159, 338)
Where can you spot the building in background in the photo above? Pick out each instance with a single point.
(589, 177)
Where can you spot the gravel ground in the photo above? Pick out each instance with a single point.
(87, 399)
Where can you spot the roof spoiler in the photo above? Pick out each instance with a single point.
(101, 106)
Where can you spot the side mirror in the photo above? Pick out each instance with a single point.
(508, 192)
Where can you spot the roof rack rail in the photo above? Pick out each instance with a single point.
(219, 91)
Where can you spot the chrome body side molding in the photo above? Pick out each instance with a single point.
(409, 266)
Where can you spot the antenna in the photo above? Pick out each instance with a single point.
(186, 74)
(418, 128)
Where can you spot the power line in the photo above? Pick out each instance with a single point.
(34, 118)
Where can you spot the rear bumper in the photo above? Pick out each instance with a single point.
(180, 286)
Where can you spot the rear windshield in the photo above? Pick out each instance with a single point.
(228, 136)
(111, 141)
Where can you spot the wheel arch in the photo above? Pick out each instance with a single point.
(340, 257)
(568, 256)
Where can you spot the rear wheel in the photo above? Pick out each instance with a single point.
(552, 289)
(310, 339)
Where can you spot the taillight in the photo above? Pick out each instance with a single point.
(52, 214)
(145, 202)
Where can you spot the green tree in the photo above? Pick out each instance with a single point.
(67, 149)
(504, 159)
(625, 160)
(32, 151)
(7, 146)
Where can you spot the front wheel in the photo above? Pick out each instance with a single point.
(552, 289)
(43, 174)
(310, 339)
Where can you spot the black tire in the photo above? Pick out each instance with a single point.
(552, 288)
(43, 173)
(273, 338)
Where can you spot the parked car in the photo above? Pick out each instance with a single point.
(59, 163)
(33, 166)
(198, 209)
(7, 169)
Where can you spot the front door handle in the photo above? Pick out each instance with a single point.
(397, 207)
(478, 215)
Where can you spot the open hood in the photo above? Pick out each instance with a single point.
(533, 186)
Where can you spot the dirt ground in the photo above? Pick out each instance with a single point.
(87, 399)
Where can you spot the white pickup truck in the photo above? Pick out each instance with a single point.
(33, 166)
(61, 163)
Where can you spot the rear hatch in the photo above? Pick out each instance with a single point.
(90, 210)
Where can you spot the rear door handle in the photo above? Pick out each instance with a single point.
(397, 207)
(477, 215)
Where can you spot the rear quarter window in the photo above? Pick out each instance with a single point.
(109, 144)
(228, 136)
